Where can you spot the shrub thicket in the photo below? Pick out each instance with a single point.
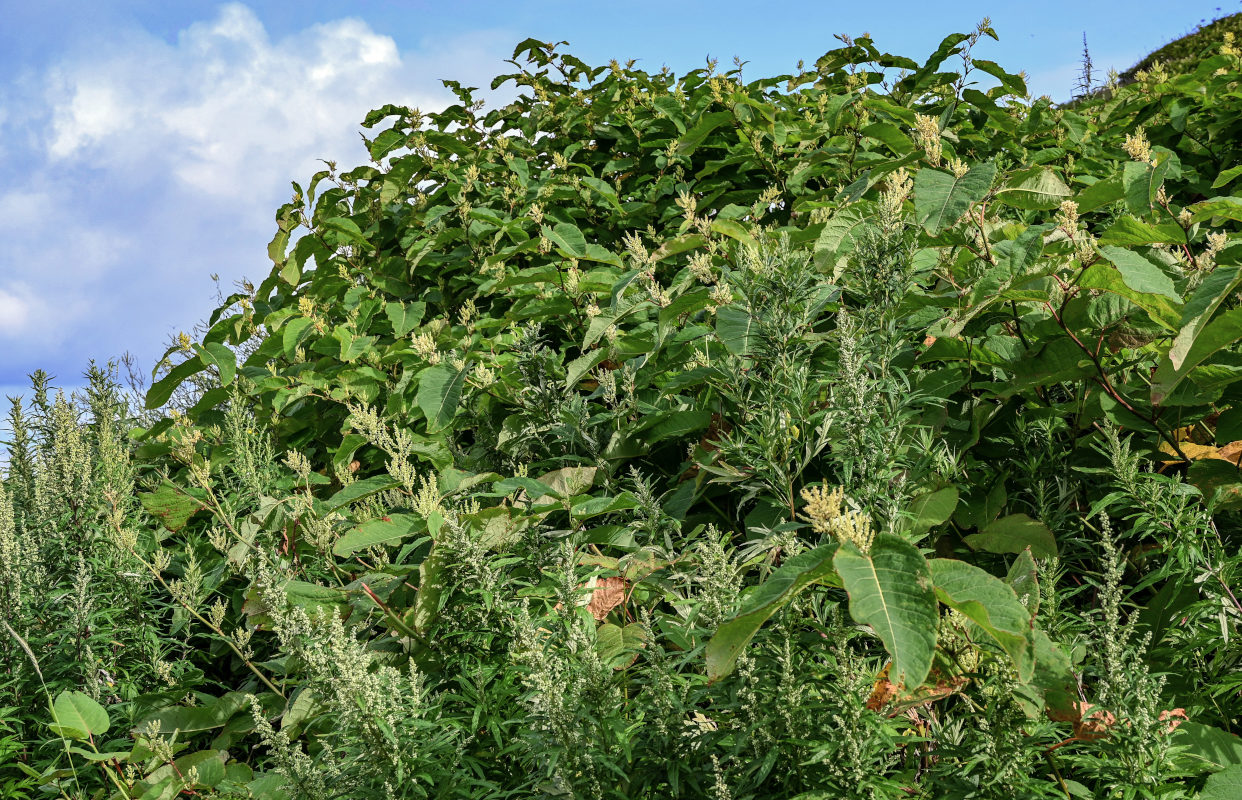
(865, 432)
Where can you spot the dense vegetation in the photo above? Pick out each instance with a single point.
(866, 432)
(1186, 51)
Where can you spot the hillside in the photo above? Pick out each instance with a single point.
(1180, 54)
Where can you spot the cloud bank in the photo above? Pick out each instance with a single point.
(139, 167)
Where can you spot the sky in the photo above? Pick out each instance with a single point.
(145, 145)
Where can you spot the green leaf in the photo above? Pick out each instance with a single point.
(1034, 188)
(1142, 181)
(348, 229)
(1224, 785)
(941, 198)
(358, 490)
(1140, 274)
(222, 358)
(1218, 334)
(603, 188)
(1023, 577)
(295, 332)
(1208, 745)
(1014, 84)
(929, 510)
(404, 316)
(377, 531)
(1223, 207)
(1226, 176)
(890, 588)
(991, 604)
(567, 238)
(1132, 231)
(734, 328)
(78, 712)
(1200, 308)
(162, 389)
(439, 391)
(734, 230)
(763, 601)
(1100, 193)
(194, 719)
(1014, 534)
(618, 647)
(1109, 279)
(701, 130)
(170, 505)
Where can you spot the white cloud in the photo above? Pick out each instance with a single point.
(144, 165)
(225, 107)
(14, 312)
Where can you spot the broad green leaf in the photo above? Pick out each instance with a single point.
(567, 238)
(1034, 188)
(605, 189)
(595, 506)
(348, 229)
(1100, 193)
(1014, 84)
(1224, 785)
(1140, 274)
(162, 389)
(701, 130)
(941, 198)
(352, 345)
(385, 530)
(1222, 207)
(439, 391)
(430, 585)
(991, 604)
(890, 588)
(836, 239)
(295, 332)
(222, 358)
(763, 601)
(194, 719)
(618, 647)
(1109, 279)
(1053, 675)
(209, 764)
(404, 316)
(1226, 177)
(170, 505)
(734, 328)
(929, 510)
(1142, 181)
(1218, 334)
(569, 481)
(1014, 534)
(1131, 231)
(577, 369)
(1198, 311)
(734, 230)
(1023, 576)
(358, 490)
(79, 712)
(1208, 745)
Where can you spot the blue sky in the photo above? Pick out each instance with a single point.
(145, 145)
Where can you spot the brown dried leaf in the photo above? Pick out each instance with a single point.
(609, 593)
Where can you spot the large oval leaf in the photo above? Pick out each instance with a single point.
(78, 713)
(941, 198)
(890, 589)
(991, 604)
(769, 597)
(439, 390)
